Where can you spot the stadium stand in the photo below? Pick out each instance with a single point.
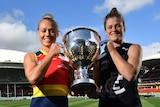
(14, 84)
(12, 79)
(149, 78)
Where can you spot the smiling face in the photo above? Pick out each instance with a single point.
(47, 33)
(114, 29)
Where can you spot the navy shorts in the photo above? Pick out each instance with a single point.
(51, 101)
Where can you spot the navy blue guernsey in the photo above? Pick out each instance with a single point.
(115, 86)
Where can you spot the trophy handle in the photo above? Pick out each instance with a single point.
(98, 37)
(62, 54)
(64, 39)
(104, 53)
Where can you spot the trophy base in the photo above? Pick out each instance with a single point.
(83, 87)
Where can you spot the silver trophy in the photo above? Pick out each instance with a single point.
(82, 46)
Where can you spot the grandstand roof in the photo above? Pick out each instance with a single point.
(11, 56)
(152, 61)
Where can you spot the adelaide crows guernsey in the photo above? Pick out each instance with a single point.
(55, 82)
(52, 90)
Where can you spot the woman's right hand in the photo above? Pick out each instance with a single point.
(54, 50)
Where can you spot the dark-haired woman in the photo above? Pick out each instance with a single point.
(116, 73)
(45, 70)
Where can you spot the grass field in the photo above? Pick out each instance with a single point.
(80, 102)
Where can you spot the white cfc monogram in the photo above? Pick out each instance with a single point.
(116, 86)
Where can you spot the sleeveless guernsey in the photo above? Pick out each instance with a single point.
(52, 90)
(117, 91)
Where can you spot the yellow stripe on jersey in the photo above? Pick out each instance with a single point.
(50, 90)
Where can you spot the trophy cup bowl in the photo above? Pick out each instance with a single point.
(82, 46)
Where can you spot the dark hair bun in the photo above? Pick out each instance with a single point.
(114, 10)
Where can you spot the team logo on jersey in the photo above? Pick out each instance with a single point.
(117, 87)
(124, 48)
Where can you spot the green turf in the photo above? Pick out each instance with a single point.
(80, 102)
(151, 102)
(16, 103)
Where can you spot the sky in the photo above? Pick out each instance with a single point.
(19, 20)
